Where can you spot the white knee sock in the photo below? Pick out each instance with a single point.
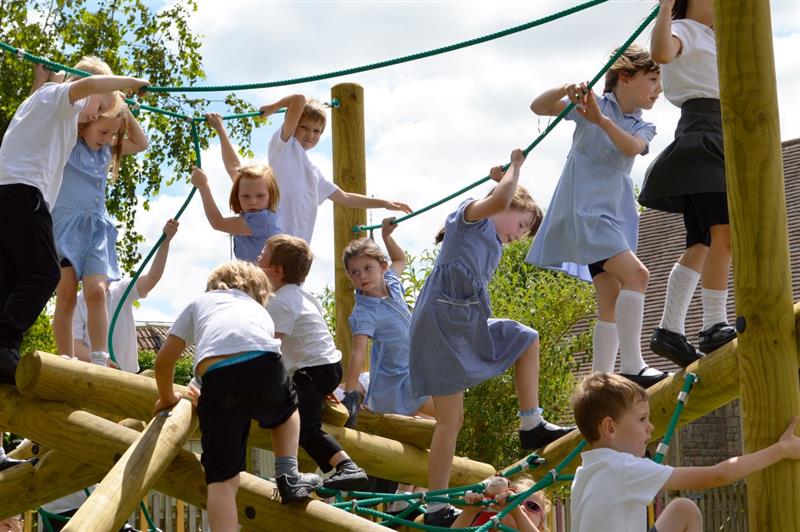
(605, 343)
(680, 289)
(629, 311)
(714, 307)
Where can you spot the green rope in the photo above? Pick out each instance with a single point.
(359, 228)
(688, 381)
(383, 64)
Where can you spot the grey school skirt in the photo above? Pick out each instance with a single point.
(693, 164)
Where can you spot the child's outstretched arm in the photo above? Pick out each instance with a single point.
(629, 145)
(136, 139)
(360, 201)
(664, 46)
(396, 254)
(146, 282)
(229, 156)
(294, 110)
(502, 195)
(233, 225)
(737, 468)
(550, 103)
(99, 84)
(165, 372)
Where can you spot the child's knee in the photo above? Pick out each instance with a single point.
(686, 509)
(94, 294)
(66, 300)
(640, 276)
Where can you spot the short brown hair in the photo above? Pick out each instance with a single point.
(255, 171)
(363, 247)
(634, 59)
(602, 395)
(241, 275)
(292, 254)
(314, 110)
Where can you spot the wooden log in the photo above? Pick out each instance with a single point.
(334, 413)
(120, 492)
(100, 443)
(349, 174)
(760, 244)
(413, 430)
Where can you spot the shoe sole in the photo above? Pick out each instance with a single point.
(300, 494)
(710, 348)
(678, 360)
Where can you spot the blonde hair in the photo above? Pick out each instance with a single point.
(292, 254)
(525, 482)
(255, 171)
(97, 67)
(602, 395)
(632, 60)
(314, 110)
(243, 276)
(119, 136)
(91, 64)
(363, 247)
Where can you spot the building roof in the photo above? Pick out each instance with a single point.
(151, 336)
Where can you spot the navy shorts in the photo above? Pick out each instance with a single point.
(596, 268)
(231, 397)
(700, 213)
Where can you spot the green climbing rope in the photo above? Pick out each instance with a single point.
(383, 64)
(688, 381)
(360, 228)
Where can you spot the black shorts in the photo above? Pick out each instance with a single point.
(653, 529)
(231, 397)
(700, 213)
(596, 268)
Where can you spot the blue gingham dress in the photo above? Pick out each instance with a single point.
(455, 343)
(386, 321)
(263, 224)
(83, 232)
(592, 215)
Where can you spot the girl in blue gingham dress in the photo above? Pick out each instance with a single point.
(455, 343)
(84, 233)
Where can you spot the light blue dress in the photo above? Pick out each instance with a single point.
(386, 321)
(263, 224)
(455, 343)
(83, 232)
(592, 215)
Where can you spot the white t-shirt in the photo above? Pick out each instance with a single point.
(611, 491)
(225, 322)
(303, 187)
(39, 139)
(298, 315)
(126, 346)
(692, 74)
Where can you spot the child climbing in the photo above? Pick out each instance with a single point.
(309, 354)
(688, 177)
(302, 184)
(455, 343)
(529, 516)
(380, 314)
(592, 217)
(237, 363)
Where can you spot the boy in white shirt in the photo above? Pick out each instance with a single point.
(237, 362)
(309, 354)
(615, 483)
(302, 185)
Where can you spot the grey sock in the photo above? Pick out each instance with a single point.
(286, 465)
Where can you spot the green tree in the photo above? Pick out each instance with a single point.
(134, 40)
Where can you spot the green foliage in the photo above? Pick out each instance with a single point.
(134, 40)
(40, 336)
(328, 301)
(417, 270)
(183, 368)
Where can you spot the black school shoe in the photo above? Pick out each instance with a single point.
(9, 360)
(674, 347)
(347, 477)
(542, 434)
(444, 517)
(716, 336)
(645, 381)
(298, 487)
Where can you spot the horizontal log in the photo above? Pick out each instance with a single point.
(414, 430)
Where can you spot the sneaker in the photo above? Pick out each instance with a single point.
(542, 434)
(645, 381)
(444, 517)
(9, 360)
(716, 336)
(298, 487)
(674, 347)
(347, 477)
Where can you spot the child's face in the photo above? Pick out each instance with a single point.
(366, 274)
(101, 132)
(512, 224)
(308, 132)
(535, 511)
(275, 277)
(633, 430)
(96, 105)
(253, 195)
(644, 87)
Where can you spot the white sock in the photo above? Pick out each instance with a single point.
(629, 311)
(680, 289)
(101, 358)
(530, 419)
(605, 343)
(714, 307)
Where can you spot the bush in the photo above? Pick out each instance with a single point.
(40, 336)
(183, 368)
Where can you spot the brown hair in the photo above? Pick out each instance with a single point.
(602, 395)
(292, 254)
(363, 247)
(632, 60)
(314, 110)
(255, 171)
(522, 201)
(679, 9)
(241, 275)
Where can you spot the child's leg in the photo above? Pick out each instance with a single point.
(285, 437)
(427, 410)
(680, 515)
(681, 285)
(715, 276)
(449, 418)
(94, 291)
(221, 505)
(66, 299)
(292, 485)
(605, 341)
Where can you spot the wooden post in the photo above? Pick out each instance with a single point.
(349, 174)
(120, 492)
(759, 238)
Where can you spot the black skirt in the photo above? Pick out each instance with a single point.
(693, 164)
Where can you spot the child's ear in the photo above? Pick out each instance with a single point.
(384, 266)
(278, 271)
(607, 426)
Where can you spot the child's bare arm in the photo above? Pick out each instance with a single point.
(294, 105)
(165, 372)
(148, 281)
(136, 139)
(503, 193)
(629, 145)
(736, 468)
(664, 46)
(100, 84)
(41, 76)
(360, 201)
(358, 354)
(229, 156)
(396, 254)
(233, 225)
